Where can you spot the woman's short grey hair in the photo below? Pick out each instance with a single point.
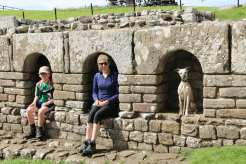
(102, 56)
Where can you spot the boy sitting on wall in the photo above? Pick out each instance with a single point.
(42, 103)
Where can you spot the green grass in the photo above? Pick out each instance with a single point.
(72, 12)
(217, 155)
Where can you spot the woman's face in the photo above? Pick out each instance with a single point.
(103, 64)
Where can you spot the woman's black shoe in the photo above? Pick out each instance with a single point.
(91, 148)
(84, 147)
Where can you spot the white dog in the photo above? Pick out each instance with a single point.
(185, 93)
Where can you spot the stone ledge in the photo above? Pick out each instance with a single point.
(232, 113)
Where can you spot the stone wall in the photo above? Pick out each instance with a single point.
(145, 60)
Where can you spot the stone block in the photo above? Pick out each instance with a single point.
(7, 83)
(165, 138)
(126, 106)
(193, 142)
(147, 107)
(142, 79)
(70, 78)
(238, 48)
(127, 114)
(128, 98)
(167, 116)
(218, 103)
(14, 119)
(235, 92)
(190, 17)
(8, 21)
(170, 127)
(227, 142)
(3, 97)
(25, 84)
(11, 98)
(14, 91)
(75, 159)
(17, 105)
(155, 125)
(154, 98)
(3, 118)
(174, 149)
(209, 112)
(160, 148)
(60, 116)
(1, 89)
(107, 123)
(217, 143)
(35, 44)
(7, 127)
(16, 128)
(83, 96)
(14, 75)
(24, 99)
(67, 127)
(241, 103)
(79, 129)
(76, 104)
(150, 89)
(23, 113)
(64, 95)
(224, 80)
(117, 122)
(189, 130)
(6, 110)
(121, 144)
(150, 138)
(58, 86)
(73, 136)
(132, 145)
(24, 122)
(55, 125)
(100, 41)
(228, 132)
(128, 124)
(27, 153)
(106, 142)
(62, 135)
(124, 89)
(179, 140)
(243, 133)
(83, 119)
(141, 124)
(207, 132)
(72, 119)
(76, 88)
(240, 142)
(145, 147)
(59, 103)
(209, 92)
(147, 115)
(136, 136)
(232, 113)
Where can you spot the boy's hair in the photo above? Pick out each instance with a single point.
(102, 56)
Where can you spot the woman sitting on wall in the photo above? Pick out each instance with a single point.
(105, 95)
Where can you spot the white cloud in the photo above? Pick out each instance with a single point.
(51, 4)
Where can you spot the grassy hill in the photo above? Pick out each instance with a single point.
(72, 12)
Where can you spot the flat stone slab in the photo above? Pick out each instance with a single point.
(75, 159)
(100, 160)
(126, 153)
(27, 153)
(162, 156)
(41, 153)
(57, 156)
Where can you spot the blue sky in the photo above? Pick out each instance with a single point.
(51, 4)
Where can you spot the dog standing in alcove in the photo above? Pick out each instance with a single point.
(185, 92)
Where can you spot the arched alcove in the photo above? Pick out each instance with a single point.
(90, 66)
(32, 64)
(182, 59)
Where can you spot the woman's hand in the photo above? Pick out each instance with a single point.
(97, 103)
(104, 103)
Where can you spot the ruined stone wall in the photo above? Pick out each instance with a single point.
(145, 60)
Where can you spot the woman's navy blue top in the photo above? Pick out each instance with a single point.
(106, 89)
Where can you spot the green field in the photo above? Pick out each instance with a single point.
(71, 12)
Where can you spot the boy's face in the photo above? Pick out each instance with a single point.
(44, 76)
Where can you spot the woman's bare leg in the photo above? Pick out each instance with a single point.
(89, 130)
(95, 132)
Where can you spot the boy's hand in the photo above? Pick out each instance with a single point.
(104, 103)
(44, 105)
(32, 104)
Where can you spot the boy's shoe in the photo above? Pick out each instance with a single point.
(91, 148)
(31, 134)
(39, 133)
(84, 147)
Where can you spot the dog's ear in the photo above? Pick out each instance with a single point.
(177, 70)
(187, 68)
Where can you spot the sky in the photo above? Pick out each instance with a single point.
(63, 4)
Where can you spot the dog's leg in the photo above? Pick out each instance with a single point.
(187, 105)
(180, 106)
(193, 106)
(184, 104)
